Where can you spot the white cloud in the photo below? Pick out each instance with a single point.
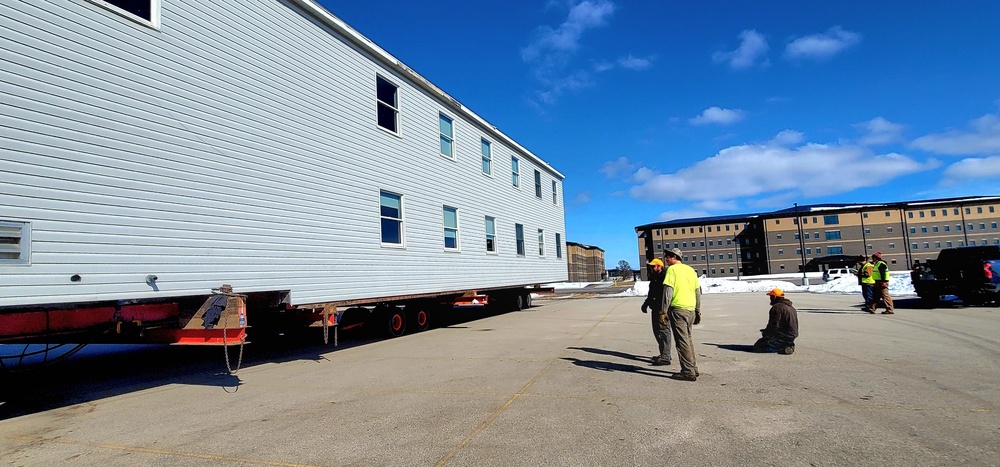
(557, 87)
(566, 38)
(618, 167)
(718, 115)
(752, 51)
(787, 138)
(680, 214)
(822, 46)
(635, 63)
(582, 197)
(982, 139)
(766, 170)
(972, 168)
(880, 131)
(552, 49)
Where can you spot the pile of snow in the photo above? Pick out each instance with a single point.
(899, 285)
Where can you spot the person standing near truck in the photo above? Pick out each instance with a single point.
(867, 283)
(654, 301)
(880, 273)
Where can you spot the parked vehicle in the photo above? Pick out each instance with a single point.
(169, 177)
(970, 273)
(837, 273)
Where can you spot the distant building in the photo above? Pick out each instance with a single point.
(585, 263)
(817, 237)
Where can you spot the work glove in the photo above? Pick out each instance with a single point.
(697, 317)
(663, 318)
(645, 305)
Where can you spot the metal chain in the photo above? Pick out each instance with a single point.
(225, 349)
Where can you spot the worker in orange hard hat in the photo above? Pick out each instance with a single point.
(782, 326)
(654, 300)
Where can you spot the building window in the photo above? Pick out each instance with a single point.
(491, 234)
(447, 131)
(538, 184)
(958, 227)
(15, 243)
(798, 251)
(835, 250)
(979, 210)
(927, 245)
(148, 11)
(887, 214)
(392, 218)
(659, 246)
(519, 234)
(831, 220)
(868, 231)
(937, 244)
(921, 214)
(864, 215)
(956, 211)
(450, 228)
(541, 242)
(868, 247)
(934, 229)
(781, 266)
(558, 245)
(947, 228)
(933, 213)
(923, 230)
(888, 229)
(914, 246)
(913, 230)
(833, 235)
(892, 246)
(968, 210)
(970, 227)
(982, 226)
(948, 244)
(993, 225)
(387, 104)
(730, 257)
(515, 172)
(819, 250)
(555, 193)
(487, 158)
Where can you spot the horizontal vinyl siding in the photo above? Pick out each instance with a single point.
(242, 152)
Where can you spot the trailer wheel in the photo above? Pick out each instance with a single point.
(517, 302)
(396, 320)
(527, 299)
(420, 318)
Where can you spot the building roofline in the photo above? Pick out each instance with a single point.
(811, 209)
(581, 245)
(366, 44)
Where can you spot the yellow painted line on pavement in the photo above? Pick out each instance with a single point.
(500, 410)
(137, 449)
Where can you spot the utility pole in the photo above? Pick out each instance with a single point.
(802, 245)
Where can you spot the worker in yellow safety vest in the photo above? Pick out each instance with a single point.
(880, 274)
(867, 283)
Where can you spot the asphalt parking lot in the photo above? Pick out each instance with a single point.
(566, 382)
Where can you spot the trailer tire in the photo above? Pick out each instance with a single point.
(527, 299)
(420, 318)
(396, 321)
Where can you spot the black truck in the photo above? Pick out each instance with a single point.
(972, 274)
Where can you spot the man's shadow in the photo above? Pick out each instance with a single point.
(610, 366)
(734, 347)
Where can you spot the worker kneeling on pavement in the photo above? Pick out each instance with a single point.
(782, 326)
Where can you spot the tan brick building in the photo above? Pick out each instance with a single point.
(585, 263)
(817, 237)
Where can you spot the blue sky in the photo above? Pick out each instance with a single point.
(658, 110)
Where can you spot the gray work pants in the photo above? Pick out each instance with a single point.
(662, 334)
(680, 321)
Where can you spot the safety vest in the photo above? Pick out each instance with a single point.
(877, 273)
(870, 269)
